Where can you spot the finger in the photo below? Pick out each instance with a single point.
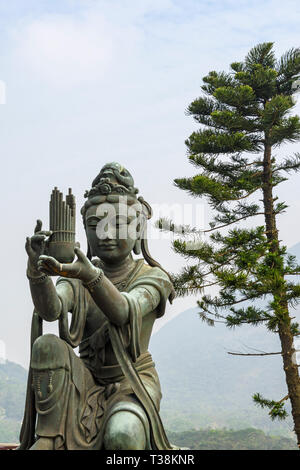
(67, 270)
(50, 263)
(38, 226)
(47, 233)
(48, 258)
(80, 255)
(44, 270)
(38, 238)
(70, 270)
(28, 247)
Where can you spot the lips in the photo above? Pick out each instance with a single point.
(107, 246)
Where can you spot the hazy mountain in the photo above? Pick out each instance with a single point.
(205, 386)
(295, 250)
(13, 379)
(224, 439)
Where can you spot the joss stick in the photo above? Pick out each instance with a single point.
(50, 213)
(55, 211)
(63, 216)
(71, 203)
(67, 222)
(60, 217)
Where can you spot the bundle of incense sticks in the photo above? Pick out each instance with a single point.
(62, 216)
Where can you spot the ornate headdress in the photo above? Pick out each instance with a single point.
(113, 179)
(110, 185)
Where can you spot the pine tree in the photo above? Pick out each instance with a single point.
(245, 115)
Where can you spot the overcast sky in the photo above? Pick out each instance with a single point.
(89, 82)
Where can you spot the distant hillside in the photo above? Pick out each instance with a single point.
(225, 439)
(295, 250)
(203, 386)
(13, 379)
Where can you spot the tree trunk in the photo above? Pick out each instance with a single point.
(284, 324)
(291, 373)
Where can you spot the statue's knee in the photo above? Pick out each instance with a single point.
(49, 361)
(49, 352)
(124, 431)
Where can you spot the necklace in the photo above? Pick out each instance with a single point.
(123, 283)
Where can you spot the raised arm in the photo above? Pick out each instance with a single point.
(43, 292)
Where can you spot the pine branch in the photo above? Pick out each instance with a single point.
(216, 142)
(252, 354)
(287, 131)
(276, 407)
(233, 222)
(288, 70)
(262, 54)
(206, 311)
(216, 80)
(290, 164)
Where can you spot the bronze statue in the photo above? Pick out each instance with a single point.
(109, 396)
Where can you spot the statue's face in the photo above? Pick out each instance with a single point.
(112, 230)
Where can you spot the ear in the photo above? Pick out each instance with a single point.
(137, 247)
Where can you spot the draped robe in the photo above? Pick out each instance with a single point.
(84, 392)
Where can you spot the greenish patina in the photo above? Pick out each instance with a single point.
(108, 397)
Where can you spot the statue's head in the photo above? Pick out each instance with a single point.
(114, 217)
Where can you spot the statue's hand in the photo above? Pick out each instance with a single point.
(81, 269)
(35, 247)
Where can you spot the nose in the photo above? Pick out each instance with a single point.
(106, 232)
(107, 237)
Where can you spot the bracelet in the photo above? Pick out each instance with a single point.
(37, 280)
(91, 284)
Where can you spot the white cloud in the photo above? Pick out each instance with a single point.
(66, 50)
(106, 37)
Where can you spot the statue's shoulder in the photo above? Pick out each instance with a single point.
(156, 277)
(144, 269)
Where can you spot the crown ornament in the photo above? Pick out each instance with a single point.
(112, 179)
